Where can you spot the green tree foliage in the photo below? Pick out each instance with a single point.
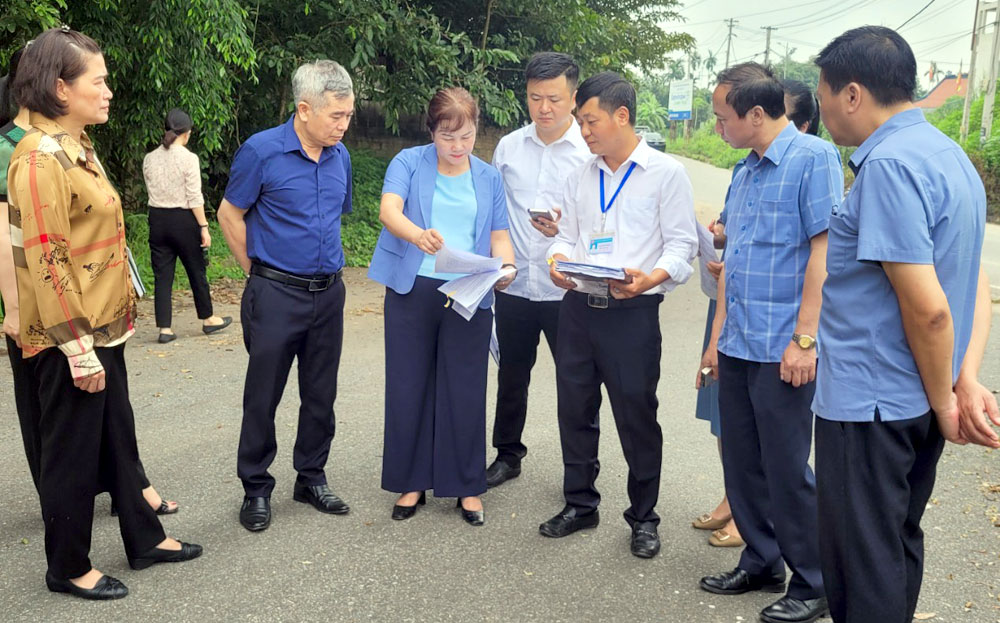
(650, 112)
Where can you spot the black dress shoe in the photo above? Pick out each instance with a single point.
(255, 514)
(188, 551)
(567, 522)
(106, 588)
(165, 338)
(473, 518)
(645, 541)
(738, 581)
(500, 472)
(405, 512)
(209, 329)
(792, 610)
(321, 498)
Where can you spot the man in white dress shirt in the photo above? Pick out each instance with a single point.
(628, 207)
(535, 161)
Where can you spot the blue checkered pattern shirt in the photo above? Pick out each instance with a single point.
(775, 205)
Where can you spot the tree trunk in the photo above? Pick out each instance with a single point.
(486, 26)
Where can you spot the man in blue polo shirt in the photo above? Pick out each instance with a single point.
(763, 339)
(902, 333)
(288, 188)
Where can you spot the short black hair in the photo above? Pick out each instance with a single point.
(875, 57)
(549, 65)
(802, 106)
(753, 84)
(8, 107)
(57, 53)
(612, 92)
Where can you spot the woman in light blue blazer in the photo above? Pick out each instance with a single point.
(435, 360)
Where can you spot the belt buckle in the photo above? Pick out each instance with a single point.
(314, 285)
(597, 302)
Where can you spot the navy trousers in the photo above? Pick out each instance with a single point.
(874, 481)
(767, 433)
(520, 322)
(619, 347)
(281, 323)
(435, 394)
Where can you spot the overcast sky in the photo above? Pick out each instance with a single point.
(941, 33)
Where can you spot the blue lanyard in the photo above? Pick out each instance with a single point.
(605, 208)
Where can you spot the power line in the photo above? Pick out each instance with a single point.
(915, 14)
(781, 10)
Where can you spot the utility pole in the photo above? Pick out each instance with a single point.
(987, 126)
(784, 64)
(767, 50)
(970, 84)
(729, 39)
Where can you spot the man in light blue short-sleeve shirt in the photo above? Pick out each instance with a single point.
(901, 333)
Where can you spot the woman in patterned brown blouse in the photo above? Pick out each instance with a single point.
(77, 308)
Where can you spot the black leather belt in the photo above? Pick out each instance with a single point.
(596, 301)
(313, 284)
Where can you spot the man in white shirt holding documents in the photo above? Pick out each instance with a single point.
(534, 161)
(629, 207)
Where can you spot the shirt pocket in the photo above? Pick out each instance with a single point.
(839, 249)
(639, 217)
(777, 223)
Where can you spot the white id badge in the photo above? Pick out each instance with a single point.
(601, 243)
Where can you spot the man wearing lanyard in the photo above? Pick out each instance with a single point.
(288, 188)
(906, 316)
(535, 162)
(763, 345)
(628, 207)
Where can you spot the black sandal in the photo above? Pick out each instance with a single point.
(164, 508)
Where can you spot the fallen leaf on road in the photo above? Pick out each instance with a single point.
(924, 616)
(24, 541)
(529, 573)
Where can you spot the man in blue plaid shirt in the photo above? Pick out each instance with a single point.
(763, 347)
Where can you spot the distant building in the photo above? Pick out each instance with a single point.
(950, 86)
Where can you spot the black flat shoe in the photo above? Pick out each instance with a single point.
(645, 542)
(567, 522)
(164, 508)
(473, 518)
(738, 581)
(500, 472)
(106, 588)
(792, 610)
(405, 512)
(166, 338)
(255, 514)
(188, 551)
(212, 328)
(321, 498)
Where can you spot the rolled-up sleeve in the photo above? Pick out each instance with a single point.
(399, 174)
(246, 177)
(678, 229)
(192, 183)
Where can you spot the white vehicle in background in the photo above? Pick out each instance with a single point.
(653, 139)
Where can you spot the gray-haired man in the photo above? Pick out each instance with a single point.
(288, 187)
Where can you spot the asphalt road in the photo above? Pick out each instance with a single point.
(434, 567)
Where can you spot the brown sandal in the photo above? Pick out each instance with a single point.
(707, 522)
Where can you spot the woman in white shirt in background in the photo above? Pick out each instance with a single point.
(178, 227)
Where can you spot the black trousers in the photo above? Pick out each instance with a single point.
(88, 441)
(519, 324)
(26, 402)
(281, 323)
(766, 436)
(619, 347)
(174, 233)
(874, 481)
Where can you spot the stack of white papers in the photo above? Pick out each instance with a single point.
(482, 273)
(590, 272)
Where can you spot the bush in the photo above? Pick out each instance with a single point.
(707, 146)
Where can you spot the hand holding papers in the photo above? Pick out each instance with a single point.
(591, 272)
(466, 293)
(706, 254)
